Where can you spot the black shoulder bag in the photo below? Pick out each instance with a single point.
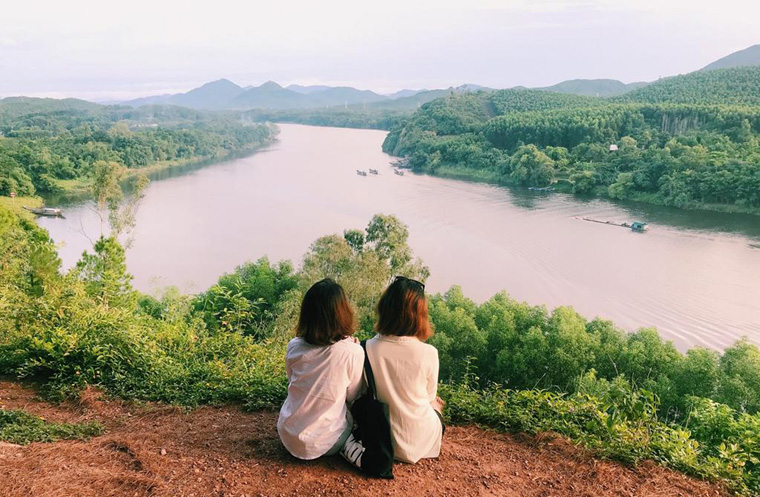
(374, 428)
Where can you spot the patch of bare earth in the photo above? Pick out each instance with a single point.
(154, 450)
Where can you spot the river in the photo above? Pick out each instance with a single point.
(694, 275)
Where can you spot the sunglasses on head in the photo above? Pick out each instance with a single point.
(419, 284)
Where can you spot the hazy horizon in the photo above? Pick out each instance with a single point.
(91, 50)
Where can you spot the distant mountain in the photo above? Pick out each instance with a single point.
(594, 87)
(270, 95)
(736, 86)
(151, 100)
(411, 102)
(747, 57)
(305, 90)
(345, 95)
(404, 93)
(211, 96)
(226, 95)
(214, 95)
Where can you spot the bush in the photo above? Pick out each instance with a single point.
(20, 427)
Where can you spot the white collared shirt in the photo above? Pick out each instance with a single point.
(406, 376)
(321, 380)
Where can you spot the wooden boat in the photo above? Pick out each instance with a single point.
(399, 172)
(361, 173)
(541, 189)
(400, 162)
(373, 171)
(45, 211)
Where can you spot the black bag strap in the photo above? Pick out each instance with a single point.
(368, 372)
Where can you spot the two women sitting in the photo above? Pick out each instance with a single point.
(325, 372)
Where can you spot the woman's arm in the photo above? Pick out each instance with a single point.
(355, 373)
(432, 379)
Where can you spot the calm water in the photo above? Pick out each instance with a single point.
(695, 276)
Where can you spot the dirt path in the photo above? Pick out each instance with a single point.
(154, 450)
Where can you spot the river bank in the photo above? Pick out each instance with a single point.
(564, 186)
(81, 187)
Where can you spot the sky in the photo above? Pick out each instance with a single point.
(102, 50)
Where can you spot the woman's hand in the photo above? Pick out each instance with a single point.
(438, 404)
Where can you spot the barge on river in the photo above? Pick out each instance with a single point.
(45, 211)
(635, 225)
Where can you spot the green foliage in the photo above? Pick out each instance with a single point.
(248, 299)
(734, 86)
(504, 364)
(104, 273)
(44, 141)
(20, 427)
(619, 422)
(364, 262)
(689, 141)
(334, 117)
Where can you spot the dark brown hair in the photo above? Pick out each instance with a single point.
(326, 316)
(402, 310)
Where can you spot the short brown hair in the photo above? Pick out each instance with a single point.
(403, 310)
(326, 316)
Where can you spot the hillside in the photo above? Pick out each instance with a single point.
(159, 450)
(737, 86)
(594, 87)
(747, 57)
(14, 107)
(690, 141)
(47, 146)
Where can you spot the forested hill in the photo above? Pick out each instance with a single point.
(49, 145)
(736, 86)
(688, 141)
(594, 87)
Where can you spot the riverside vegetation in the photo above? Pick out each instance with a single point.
(504, 364)
(690, 141)
(48, 146)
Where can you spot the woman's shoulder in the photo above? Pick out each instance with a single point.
(348, 346)
(429, 349)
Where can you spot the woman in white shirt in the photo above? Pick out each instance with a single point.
(406, 371)
(324, 366)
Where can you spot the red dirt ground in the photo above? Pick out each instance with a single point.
(155, 450)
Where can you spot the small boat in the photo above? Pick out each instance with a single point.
(373, 171)
(399, 172)
(45, 211)
(541, 189)
(639, 226)
(361, 173)
(400, 162)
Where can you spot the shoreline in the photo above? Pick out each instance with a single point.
(487, 177)
(79, 189)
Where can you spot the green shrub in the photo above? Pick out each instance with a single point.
(20, 427)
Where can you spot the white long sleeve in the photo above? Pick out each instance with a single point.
(406, 376)
(321, 380)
